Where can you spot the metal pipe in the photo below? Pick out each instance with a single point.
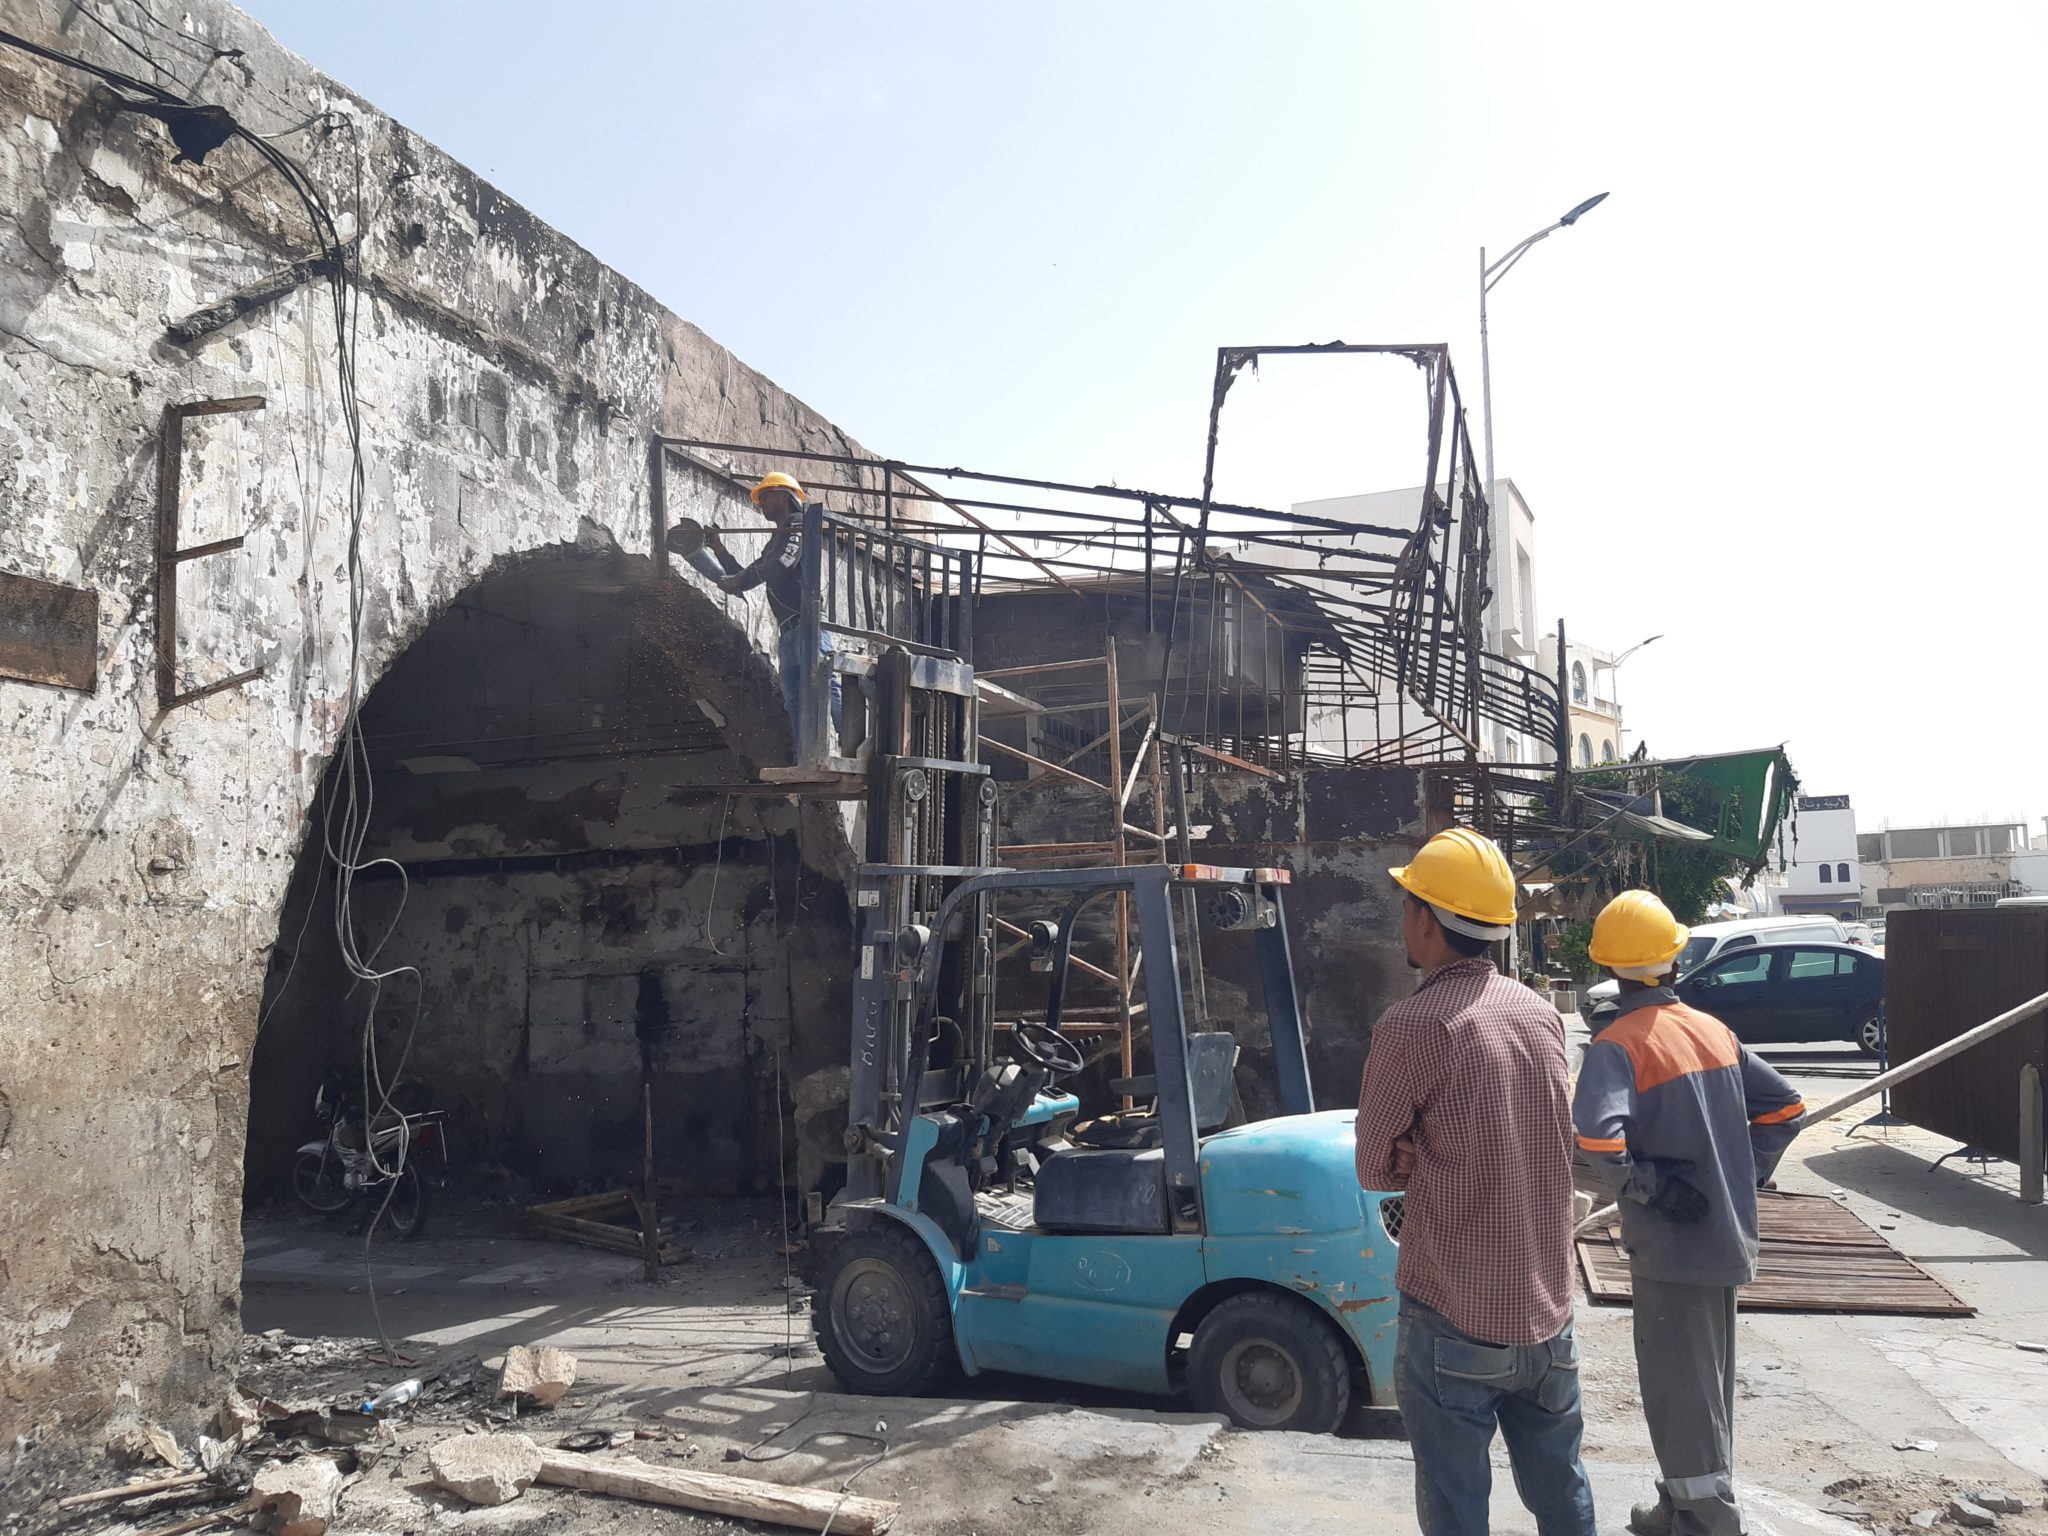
(1934, 1058)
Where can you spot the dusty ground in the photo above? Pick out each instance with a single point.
(713, 1367)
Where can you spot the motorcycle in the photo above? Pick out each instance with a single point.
(330, 1175)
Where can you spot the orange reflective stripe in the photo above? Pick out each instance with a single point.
(1595, 1144)
(1665, 1042)
(1780, 1116)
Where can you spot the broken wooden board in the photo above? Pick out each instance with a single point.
(745, 1497)
(610, 1220)
(1815, 1255)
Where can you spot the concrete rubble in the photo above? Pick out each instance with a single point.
(296, 1498)
(486, 1469)
(540, 1376)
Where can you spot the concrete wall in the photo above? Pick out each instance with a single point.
(509, 385)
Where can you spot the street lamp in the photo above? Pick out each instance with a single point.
(1488, 276)
(1620, 730)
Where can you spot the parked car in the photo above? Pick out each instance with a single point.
(1710, 940)
(1770, 994)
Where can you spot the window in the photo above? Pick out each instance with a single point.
(1743, 970)
(1578, 682)
(1606, 751)
(1827, 874)
(1812, 964)
(1585, 750)
(1842, 873)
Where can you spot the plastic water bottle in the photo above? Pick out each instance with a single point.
(393, 1396)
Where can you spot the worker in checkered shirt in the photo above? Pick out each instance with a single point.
(1680, 1122)
(1466, 1107)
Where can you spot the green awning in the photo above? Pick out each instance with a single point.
(1738, 800)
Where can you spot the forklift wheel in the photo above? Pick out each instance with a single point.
(1267, 1361)
(881, 1314)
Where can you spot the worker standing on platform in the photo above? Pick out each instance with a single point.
(1465, 1105)
(1681, 1123)
(780, 568)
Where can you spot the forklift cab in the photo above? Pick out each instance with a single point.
(1153, 1246)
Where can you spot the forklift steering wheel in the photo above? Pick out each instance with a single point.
(1046, 1048)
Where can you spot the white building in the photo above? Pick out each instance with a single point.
(1511, 625)
(1590, 695)
(1825, 870)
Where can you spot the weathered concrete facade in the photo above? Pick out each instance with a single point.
(510, 385)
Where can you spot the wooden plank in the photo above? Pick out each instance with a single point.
(747, 1498)
(1814, 1256)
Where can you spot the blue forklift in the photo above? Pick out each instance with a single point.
(986, 1226)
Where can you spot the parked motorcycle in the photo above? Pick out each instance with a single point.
(330, 1175)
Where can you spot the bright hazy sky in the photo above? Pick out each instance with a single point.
(1778, 398)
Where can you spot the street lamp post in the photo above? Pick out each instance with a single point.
(1620, 730)
(1503, 585)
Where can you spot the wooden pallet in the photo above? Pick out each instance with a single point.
(610, 1220)
(1815, 1255)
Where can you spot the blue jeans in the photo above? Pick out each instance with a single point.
(1454, 1390)
(790, 649)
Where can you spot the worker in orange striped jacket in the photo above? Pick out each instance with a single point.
(1681, 1123)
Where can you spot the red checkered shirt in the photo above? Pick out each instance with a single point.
(1472, 1068)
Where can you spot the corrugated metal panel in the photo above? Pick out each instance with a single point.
(1946, 972)
(1815, 1256)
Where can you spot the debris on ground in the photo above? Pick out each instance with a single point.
(295, 1498)
(485, 1469)
(717, 1493)
(611, 1220)
(538, 1376)
(1915, 1445)
(1998, 1501)
(1963, 1512)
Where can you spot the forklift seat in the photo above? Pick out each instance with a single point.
(1090, 1190)
(1212, 1068)
(1114, 1178)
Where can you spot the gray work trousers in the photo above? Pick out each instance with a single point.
(1685, 1362)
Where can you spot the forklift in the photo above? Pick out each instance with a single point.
(987, 1227)
(986, 1223)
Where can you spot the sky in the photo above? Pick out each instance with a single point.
(1773, 401)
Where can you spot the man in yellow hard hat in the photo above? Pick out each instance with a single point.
(780, 568)
(1465, 1106)
(1681, 1122)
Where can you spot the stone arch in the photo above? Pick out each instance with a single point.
(594, 895)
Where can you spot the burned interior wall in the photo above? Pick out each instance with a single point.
(578, 894)
(509, 385)
(1338, 830)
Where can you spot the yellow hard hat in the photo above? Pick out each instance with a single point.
(1636, 936)
(777, 478)
(1464, 874)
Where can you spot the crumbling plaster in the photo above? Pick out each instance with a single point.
(510, 384)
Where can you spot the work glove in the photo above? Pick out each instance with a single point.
(1677, 1201)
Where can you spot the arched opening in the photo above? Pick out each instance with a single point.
(599, 908)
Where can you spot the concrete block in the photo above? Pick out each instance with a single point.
(543, 1374)
(486, 1469)
(296, 1498)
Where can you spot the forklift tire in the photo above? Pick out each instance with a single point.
(881, 1314)
(1268, 1361)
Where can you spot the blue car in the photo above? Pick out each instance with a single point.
(1775, 994)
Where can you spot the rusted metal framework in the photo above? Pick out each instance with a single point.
(1275, 637)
